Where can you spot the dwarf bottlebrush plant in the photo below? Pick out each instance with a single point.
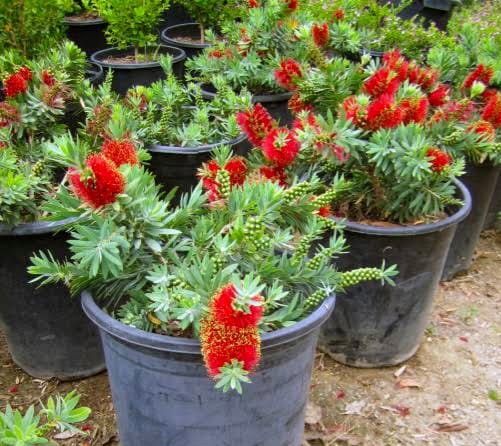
(223, 271)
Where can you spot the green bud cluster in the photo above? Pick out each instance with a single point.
(165, 120)
(296, 192)
(326, 198)
(314, 300)
(359, 275)
(38, 168)
(454, 138)
(150, 118)
(496, 147)
(315, 262)
(218, 261)
(329, 224)
(223, 179)
(303, 247)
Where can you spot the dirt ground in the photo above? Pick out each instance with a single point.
(449, 394)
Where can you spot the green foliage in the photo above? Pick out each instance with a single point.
(131, 22)
(60, 415)
(213, 13)
(82, 7)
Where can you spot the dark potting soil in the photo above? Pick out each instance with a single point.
(82, 17)
(126, 60)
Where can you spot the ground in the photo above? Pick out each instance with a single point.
(449, 394)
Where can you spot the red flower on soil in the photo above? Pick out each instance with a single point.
(288, 74)
(439, 159)
(480, 74)
(14, 85)
(383, 81)
(120, 152)
(256, 124)
(281, 147)
(25, 73)
(237, 168)
(339, 14)
(9, 114)
(439, 96)
(297, 105)
(414, 110)
(492, 111)
(484, 129)
(320, 34)
(383, 113)
(99, 183)
(48, 79)
(274, 174)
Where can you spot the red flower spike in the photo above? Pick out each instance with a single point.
(253, 4)
(212, 187)
(288, 73)
(99, 184)
(439, 96)
(320, 34)
(492, 111)
(48, 79)
(296, 105)
(237, 168)
(292, 4)
(281, 147)
(120, 152)
(274, 174)
(480, 74)
(439, 159)
(484, 129)
(383, 81)
(339, 14)
(308, 121)
(414, 110)
(353, 110)
(9, 115)
(25, 73)
(256, 124)
(340, 153)
(383, 113)
(215, 54)
(14, 85)
(325, 211)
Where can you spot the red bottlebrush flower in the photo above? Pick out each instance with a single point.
(274, 174)
(9, 114)
(492, 111)
(424, 77)
(288, 73)
(439, 96)
(25, 73)
(99, 183)
(414, 110)
(439, 159)
(340, 153)
(488, 94)
(480, 74)
(292, 4)
(353, 110)
(339, 14)
(302, 123)
(383, 113)
(215, 54)
(484, 129)
(2, 145)
(237, 168)
(296, 105)
(320, 34)
(14, 85)
(253, 4)
(383, 81)
(96, 125)
(212, 187)
(256, 124)
(120, 152)
(454, 111)
(213, 168)
(281, 147)
(397, 63)
(221, 345)
(48, 79)
(324, 211)
(223, 311)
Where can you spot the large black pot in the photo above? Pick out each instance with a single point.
(177, 166)
(276, 104)
(47, 332)
(175, 15)
(492, 218)
(481, 181)
(162, 395)
(375, 325)
(88, 35)
(173, 36)
(127, 75)
(94, 73)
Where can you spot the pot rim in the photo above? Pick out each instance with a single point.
(428, 228)
(172, 344)
(275, 97)
(35, 228)
(94, 76)
(95, 57)
(178, 150)
(89, 22)
(172, 40)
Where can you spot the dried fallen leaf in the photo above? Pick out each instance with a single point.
(340, 395)
(448, 427)
(407, 383)
(400, 371)
(313, 414)
(355, 408)
(463, 338)
(13, 389)
(403, 411)
(64, 435)
(441, 409)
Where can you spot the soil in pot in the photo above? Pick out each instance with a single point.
(376, 325)
(186, 36)
(128, 73)
(481, 182)
(162, 394)
(493, 218)
(47, 332)
(87, 31)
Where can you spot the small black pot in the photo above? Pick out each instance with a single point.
(162, 395)
(481, 181)
(89, 35)
(126, 76)
(276, 104)
(375, 325)
(171, 36)
(177, 166)
(492, 218)
(47, 332)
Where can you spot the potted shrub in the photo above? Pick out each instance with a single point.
(135, 58)
(251, 52)
(190, 36)
(225, 271)
(46, 332)
(403, 205)
(84, 25)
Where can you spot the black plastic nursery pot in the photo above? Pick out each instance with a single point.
(94, 73)
(276, 104)
(481, 181)
(46, 330)
(162, 394)
(88, 34)
(493, 214)
(175, 15)
(185, 36)
(127, 75)
(177, 166)
(376, 325)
